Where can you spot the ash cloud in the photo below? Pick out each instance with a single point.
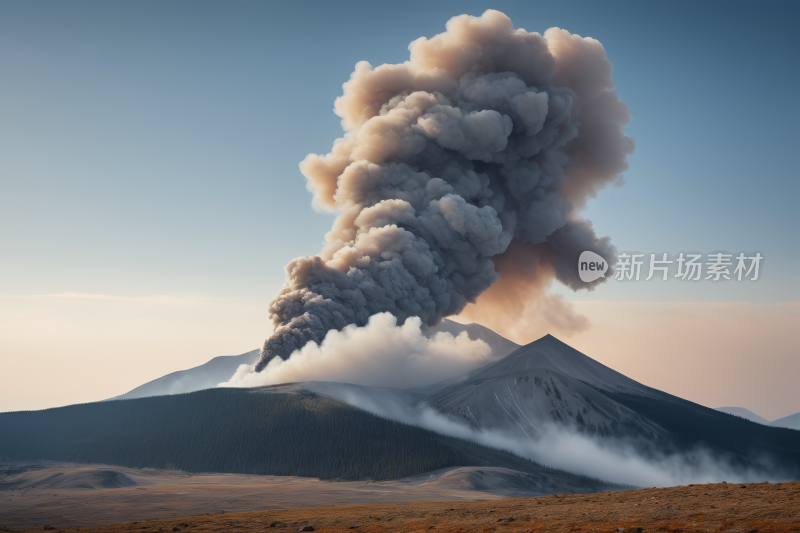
(487, 141)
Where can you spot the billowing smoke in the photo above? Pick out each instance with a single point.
(379, 354)
(483, 145)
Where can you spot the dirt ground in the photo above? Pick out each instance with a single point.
(734, 508)
(65, 495)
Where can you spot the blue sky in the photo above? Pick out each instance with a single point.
(151, 148)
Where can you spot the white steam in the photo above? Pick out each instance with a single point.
(608, 459)
(380, 354)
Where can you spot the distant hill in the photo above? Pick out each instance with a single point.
(791, 421)
(205, 376)
(220, 369)
(240, 431)
(500, 346)
(744, 413)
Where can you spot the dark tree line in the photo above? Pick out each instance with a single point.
(236, 431)
(739, 441)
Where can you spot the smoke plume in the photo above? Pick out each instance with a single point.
(466, 163)
(379, 354)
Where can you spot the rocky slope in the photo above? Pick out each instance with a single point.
(543, 383)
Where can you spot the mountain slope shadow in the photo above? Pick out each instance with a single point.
(549, 383)
(244, 431)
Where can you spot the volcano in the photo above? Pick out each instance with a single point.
(527, 390)
(542, 383)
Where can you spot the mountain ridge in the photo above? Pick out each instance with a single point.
(543, 384)
(205, 376)
(221, 368)
(547, 383)
(790, 422)
(744, 413)
(231, 430)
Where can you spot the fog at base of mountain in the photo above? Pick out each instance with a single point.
(550, 403)
(616, 460)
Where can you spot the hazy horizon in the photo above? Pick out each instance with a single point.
(152, 196)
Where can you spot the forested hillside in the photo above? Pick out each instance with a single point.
(742, 443)
(236, 431)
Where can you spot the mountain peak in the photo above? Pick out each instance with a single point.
(549, 353)
(544, 382)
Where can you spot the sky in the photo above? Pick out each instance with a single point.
(150, 194)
